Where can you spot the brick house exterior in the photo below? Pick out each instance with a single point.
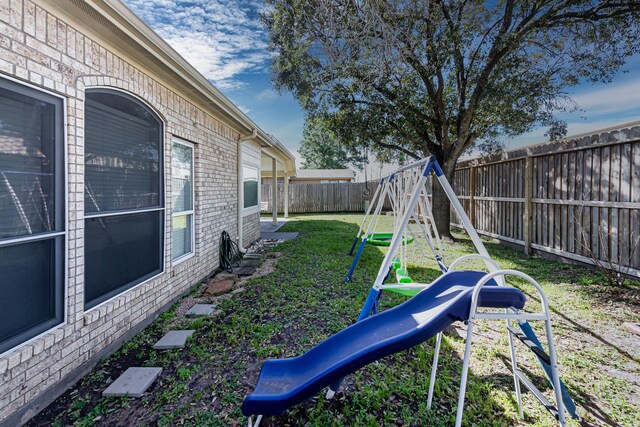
(64, 49)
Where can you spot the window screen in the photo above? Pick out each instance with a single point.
(30, 289)
(124, 206)
(120, 250)
(181, 233)
(122, 162)
(31, 207)
(26, 164)
(250, 183)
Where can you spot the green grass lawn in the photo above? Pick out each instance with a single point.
(305, 301)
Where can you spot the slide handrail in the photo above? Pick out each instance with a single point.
(502, 273)
(472, 256)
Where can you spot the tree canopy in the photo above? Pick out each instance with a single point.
(438, 77)
(321, 149)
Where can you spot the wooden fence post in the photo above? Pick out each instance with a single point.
(527, 220)
(472, 195)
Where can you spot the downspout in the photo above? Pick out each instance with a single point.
(253, 135)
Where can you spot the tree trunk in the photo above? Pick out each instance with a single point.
(441, 206)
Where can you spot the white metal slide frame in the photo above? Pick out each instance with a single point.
(519, 377)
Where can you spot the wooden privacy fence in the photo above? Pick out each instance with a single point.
(308, 198)
(578, 199)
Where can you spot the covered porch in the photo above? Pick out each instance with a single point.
(278, 170)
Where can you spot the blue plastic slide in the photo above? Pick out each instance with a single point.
(287, 382)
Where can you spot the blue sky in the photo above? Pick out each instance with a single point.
(226, 42)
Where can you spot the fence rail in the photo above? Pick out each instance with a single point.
(578, 199)
(309, 198)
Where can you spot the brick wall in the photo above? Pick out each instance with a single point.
(49, 53)
(251, 229)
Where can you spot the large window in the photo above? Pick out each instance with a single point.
(182, 224)
(31, 213)
(250, 186)
(123, 200)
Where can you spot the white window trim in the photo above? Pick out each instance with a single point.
(125, 292)
(251, 210)
(256, 208)
(191, 212)
(121, 212)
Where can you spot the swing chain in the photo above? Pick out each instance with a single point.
(365, 155)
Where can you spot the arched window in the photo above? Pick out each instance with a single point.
(124, 196)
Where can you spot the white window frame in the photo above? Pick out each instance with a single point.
(191, 212)
(255, 208)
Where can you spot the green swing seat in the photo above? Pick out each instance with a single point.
(384, 239)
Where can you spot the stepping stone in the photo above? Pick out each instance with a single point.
(173, 339)
(201, 310)
(133, 382)
(226, 276)
(247, 268)
(219, 287)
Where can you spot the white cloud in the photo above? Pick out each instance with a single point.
(577, 128)
(220, 38)
(602, 107)
(574, 128)
(267, 95)
(610, 99)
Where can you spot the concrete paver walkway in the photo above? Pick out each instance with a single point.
(266, 225)
(133, 382)
(201, 310)
(173, 339)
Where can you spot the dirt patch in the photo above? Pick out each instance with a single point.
(198, 368)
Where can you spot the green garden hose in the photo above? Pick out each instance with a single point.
(229, 253)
